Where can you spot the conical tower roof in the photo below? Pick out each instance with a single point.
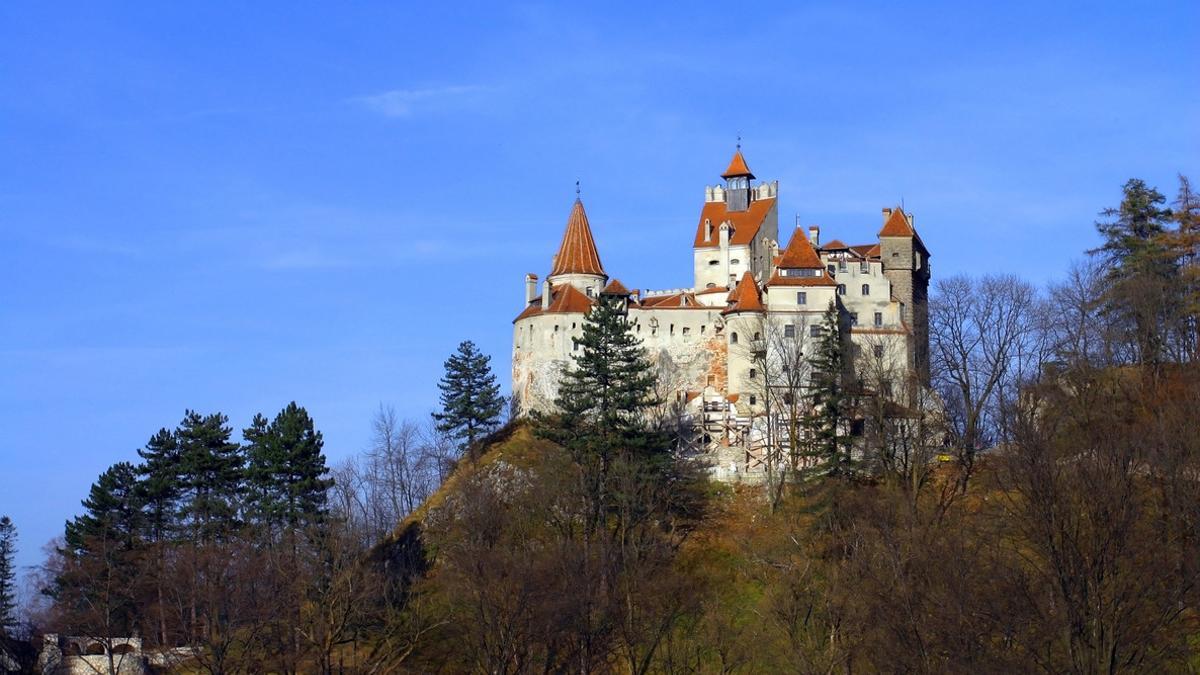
(737, 166)
(799, 253)
(577, 254)
(745, 297)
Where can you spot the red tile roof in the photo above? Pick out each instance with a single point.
(737, 166)
(745, 298)
(897, 225)
(745, 223)
(866, 250)
(577, 254)
(563, 299)
(835, 245)
(615, 287)
(714, 289)
(800, 254)
(683, 300)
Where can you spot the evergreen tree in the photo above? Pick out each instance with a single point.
(286, 473)
(8, 575)
(1144, 292)
(471, 400)
(159, 487)
(212, 475)
(828, 399)
(112, 512)
(102, 551)
(605, 395)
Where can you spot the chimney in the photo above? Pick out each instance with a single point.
(887, 213)
(530, 287)
(546, 294)
(814, 235)
(910, 220)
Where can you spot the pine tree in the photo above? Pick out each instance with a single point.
(286, 472)
(159, 486)
(212, 475)
(1144, 291)
(112, 512)
(8, 575)
(828, 399)
(605, 395)
(102, 552)
(471, 400)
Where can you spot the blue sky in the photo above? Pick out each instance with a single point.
(223, 207)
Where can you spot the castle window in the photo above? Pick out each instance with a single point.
(814, 331)
(832, 270)
(733, 338)
(735, 261)
(589, 291)
(841, 289)
(866, 289)
(714, 262)
(853, 318)
(842, 266)
(878, 349)
(753, 399)
(753, 373)
(878, 319)
(702, 327)
(575, 345)
(758, 336)
(710, 285)
(686, 330)
(864, 267)
(801, 298)
(789, 331)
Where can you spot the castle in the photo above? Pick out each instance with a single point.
(737, 340)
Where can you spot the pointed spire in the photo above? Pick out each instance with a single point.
(737, 165)
(577, 254)
(897, 225)
(800, 253)
(745, 297)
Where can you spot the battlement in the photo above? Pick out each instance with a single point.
(764, 190)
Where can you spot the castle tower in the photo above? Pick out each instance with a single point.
(906, 265)
(737, 183)
(578, 262)
(737, 226)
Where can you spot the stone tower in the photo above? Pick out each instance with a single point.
(906, 264)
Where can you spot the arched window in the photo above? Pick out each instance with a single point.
(753, 373)
(866, 289)
(733, 338)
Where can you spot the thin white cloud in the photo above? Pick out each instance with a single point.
(404, 102)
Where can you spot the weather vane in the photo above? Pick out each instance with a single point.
(577, 188)
(739, 142)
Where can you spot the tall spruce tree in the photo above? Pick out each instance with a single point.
(212, 475)
(1144, 291)
(286, 472)
(606, 393)
(828, 400)
(471, 400)
(8, 575)
(112, 512)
